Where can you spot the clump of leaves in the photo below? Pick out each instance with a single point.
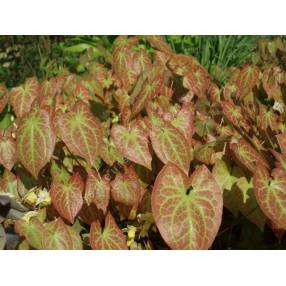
(143, 151)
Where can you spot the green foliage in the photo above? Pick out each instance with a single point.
(140, 147)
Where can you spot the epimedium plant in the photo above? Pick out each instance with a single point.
(144, 150)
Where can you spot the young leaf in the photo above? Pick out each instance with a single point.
(187, 212)
(35, 140)
(33, 231)
(22, 97)
(270, 193)
(81, 132)
(67, 197)
(132, 142)
(59, 236)
(109, 238)
(8, 155)
(97, 191)
(170, 145)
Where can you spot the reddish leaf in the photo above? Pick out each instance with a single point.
(150, 90)
(235, 115)
(271, 193)
(184, 121)
(8, 155)
(108, 238)
(67, 197)
(170, 145)
(247, 155)
(267, 118)
(81, 132)
(187, 212)
(247, 79)
(132, 142)
(197, 81)
(125, 188)
(22, 97)
(159, 43)
(97, 191)
(109, 153)
(35, 140)
(59, 236)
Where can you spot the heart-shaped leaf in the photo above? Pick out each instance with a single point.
(67, 197)
(108, 238)
(97, 191)
(187, 212)
(35, 140)
(81, 132)
(132, 142)
(270, 193)
(59, 236)
(8, 155)
(22, 97)
(125, 188)
(170, 145)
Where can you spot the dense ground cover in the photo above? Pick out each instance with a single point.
(138, 146)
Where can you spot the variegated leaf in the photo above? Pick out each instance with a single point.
(247, 155)
(35, 140)
(235, 115)
(132, 142)
(270, 192)
(108, 238)
(170, 145)
(187, 211)
(67, 197)
(97, 191)
(59, 236)
(22, 97)
(8, 156)
(81, 132)
(125, 188)
(247, 79)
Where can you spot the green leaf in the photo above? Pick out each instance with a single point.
(59, 236)
(33, 231)
(35, 140)
(187, 211)
(108, 238)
